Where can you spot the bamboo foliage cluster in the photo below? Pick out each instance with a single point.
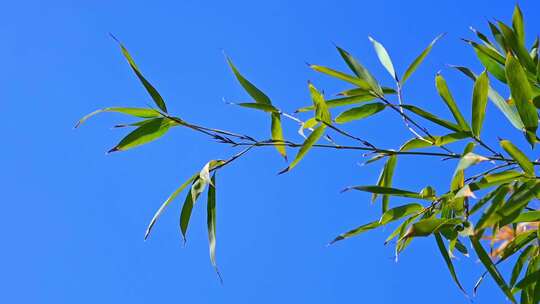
(497, 204)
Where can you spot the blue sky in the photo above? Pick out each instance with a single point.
(74, 218)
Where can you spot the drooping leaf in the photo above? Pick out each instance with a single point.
(433, 118)
(166, 203)
(251, 89)
(211, 222)
(158, 100)
(401, 229)
(448, 261)
(361, 71)
(480, 97)
(306, 146)
(491, 268)
(144, 134)
(414, 65)
(518, 266)
(277, 134)
(445, 94)
(137, 112)
(360, 112)
(388, 175)
(384, 58)
(518, 156)
(185, 214)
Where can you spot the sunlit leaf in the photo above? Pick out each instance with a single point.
(518, 156)
(306, 146)
(527, 217)
(416, 143)
(166, 203)
(388, 175)
(388, 191)
(445, 94)
(519, 48)
(470, 159)
(321, 109)
(400, 212)
(143, 134)
(480, 98)
(360, 112)
(384, 58)
(211, 222)
(149, 88)
(137, 112)
(433, 118)
(356, 231)
(340, 75)
(491, 268)
(428, 226)
(414, 65)
(252, 90)
(448, 261)
(517, 24)
(361, 71)
(258, 106)
(338, 102)
(277, 133)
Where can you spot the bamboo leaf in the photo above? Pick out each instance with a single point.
(416, 143)
(321, 109)
(340, 75)
(428, 226)
(137, 112)
(527, 217)
(306, 146)
(518, 156)
(492, 65)
(433, 118)
(360, 91)
(448, 261)
(144, 134)
(517, 24)
(360, 112)
(445, 94)
(361, 71)
(469, 159)
(414, 65)
(211, 223)
(518, 48)
(251, 89)
(388, 191)
(166, 203)
(258, 106)
(384, 58)
(389, 168)
(518, 266)
(158, 100)
(480, 98)
(277, 134)
(399, 212)
(521, 93)
(491, 268)
(338, 102)
(355, 232)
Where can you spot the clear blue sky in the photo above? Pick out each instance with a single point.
(74, 218)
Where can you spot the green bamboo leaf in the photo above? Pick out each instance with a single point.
(495, 68)
(340, 75)
(445, 94)
(388, 191)
(166, 203)
(399, 212)
(508, 111)
(211, 223)
(137, 112)
(388, 175)
(416, 143)
(185, 214)
(258, 106)
(321, 109)
(479, 103)
(484, 200)
(306, 146)
(519, 48)
(384, 58)
(355, 232)
(531, 278)
(521, 93)
(517, 24)
(143, 135)
(518, 266)
(277, 134)
(527, 217)
(498, 37)
(360, 91)
(361, 71)
(495, 179)
(488, 213)
(518, 156)
(149, 88)
(487, 51)
(520, 241)
(491, 268)
(484, 39)
(338, 102)
(414, 65)
(448, 261)
(360, 112)
(516, 202)
(401, 229)
(251, 89)
(442, 122)
(429, 226)
(141, 122)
